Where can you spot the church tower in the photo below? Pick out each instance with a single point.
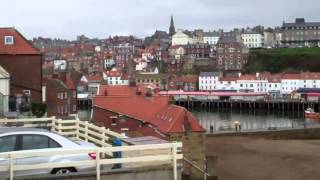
(171, 28)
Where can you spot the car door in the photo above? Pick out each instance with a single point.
(7, 144)
(35, 142)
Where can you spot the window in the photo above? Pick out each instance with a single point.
(122, 118)
(74, 107)
(8, 40)
(38, 142)
(7, 143)
(113, 121)
(74, 94)
(66, 108)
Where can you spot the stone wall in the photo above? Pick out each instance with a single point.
(308, 133)
(154, 173)
(193, 149)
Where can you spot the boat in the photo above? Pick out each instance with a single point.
(311, 114)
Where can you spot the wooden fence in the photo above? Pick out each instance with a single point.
(173, 155)
(74, 128)
(83, 130)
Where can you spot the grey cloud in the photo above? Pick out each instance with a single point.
(101, 18)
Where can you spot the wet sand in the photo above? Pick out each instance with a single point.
(243, 158)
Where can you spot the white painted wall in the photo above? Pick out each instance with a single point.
(212, 40)
(180, 38)
(4, 89)
(208, 83)
(253, 40)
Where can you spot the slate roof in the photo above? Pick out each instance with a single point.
(206, 74)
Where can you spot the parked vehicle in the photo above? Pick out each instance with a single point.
(33, 139)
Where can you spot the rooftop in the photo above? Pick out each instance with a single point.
(210, 74)
(300, 22)
(155, 110)
(20, 44)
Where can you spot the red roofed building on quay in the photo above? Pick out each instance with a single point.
(24, 63)
(140, 112)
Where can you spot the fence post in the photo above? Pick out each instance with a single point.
(174, 159)
(53, 121)
(77, 128)
(103, 135)
(98, 163)
(86, 130)
(59, 126)
(11, 166)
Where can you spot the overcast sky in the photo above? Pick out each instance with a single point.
(101, 18)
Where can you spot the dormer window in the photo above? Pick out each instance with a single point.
(8, 40)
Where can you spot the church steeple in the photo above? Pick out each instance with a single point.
(171, 28)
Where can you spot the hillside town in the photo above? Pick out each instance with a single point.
(129, 85)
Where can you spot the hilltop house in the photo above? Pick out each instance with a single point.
(115, 77)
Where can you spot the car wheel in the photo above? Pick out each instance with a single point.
(63, 171)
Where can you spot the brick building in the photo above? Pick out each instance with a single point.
(124, 53)
(174, 66)
(61, 101)
(185, 83)
(231, 53)
(24, 64)
(199, 50)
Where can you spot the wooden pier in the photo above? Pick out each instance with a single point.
(249, 105)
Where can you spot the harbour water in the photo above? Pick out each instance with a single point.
(223, 120)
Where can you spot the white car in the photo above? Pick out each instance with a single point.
(33, 139)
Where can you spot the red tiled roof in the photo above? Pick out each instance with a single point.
(291, 76)
(156, 111)
(69, 82)
(94, 78)
(229, 79)
(114, 73)
(275, 78)
(138, 107)
(193, 79)
(116, 90)
(310, 75)
(125, 77)
(176, 119)
(248, 77)
(20, 45)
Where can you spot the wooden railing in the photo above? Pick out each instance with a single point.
(75, 128)
(143, 155)
(174, 154)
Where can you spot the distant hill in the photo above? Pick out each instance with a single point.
(284, 59)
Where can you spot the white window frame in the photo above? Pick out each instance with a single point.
(8, 43)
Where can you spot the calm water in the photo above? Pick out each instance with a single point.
(223, 120)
